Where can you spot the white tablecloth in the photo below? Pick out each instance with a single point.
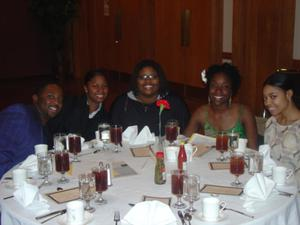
(277, 210)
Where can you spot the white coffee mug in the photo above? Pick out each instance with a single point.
(281, 174)
(19, 177)
(171, 153)
(189, 150)
(242, 145)
(41, 149)
(212, 208)
(75, 212)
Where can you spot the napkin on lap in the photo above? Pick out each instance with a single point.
(150, 213)
(268, 163)
(28, 196)
(258, 188)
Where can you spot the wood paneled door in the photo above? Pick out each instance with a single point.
(188, 37)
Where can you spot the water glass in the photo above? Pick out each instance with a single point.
(104, 134)
(59, 141)
(233, 140)
(255, 164)
(45, 166)
(87, 189)
(191, 190)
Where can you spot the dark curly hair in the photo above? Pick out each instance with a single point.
(286, 80)
(230, 71)
(163, 83)
(92, 73)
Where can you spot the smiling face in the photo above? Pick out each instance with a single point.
(48, 102)
(276, 100)
(147, 83)
(220, 90)
(96, 89)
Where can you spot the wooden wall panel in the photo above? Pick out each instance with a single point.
(262, 42)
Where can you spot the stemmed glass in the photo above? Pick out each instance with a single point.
(233, 141)
(177, 187)
(100, 173)
(104, 133)
(171, 131)
(62, 164)
(45, 166)
(116, 136)
(237, 165)
(191, 190)
(74, 145)
(222, 144)
(87, 189)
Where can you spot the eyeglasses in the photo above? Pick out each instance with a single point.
(148, 76)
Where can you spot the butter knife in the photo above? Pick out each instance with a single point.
(59, 212)
(242, 213)
(50, 218)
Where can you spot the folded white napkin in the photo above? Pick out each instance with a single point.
(257, 189)
(268, 163)
(150, 213)
(30, 163)
(130, 134)
(28, 196)
(134, 140)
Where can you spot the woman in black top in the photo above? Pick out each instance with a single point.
(138, 106)
(87, 111)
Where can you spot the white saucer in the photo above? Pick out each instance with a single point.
(88, 217)
(221, 217)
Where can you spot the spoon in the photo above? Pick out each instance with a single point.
(237, 211)
(188, 217)
(181, 217)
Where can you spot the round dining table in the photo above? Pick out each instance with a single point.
(130, 188)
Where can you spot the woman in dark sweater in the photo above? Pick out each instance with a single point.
(84, 113)
(138, 106)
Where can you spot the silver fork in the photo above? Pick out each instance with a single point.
(117, 217)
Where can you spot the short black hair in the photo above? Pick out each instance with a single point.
(92, 73)
(286, 80)
(230, 71)
(41, 86)
(163, 83)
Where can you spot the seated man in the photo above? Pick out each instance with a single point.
(23, 126)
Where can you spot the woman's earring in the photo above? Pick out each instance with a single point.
(229, 102)
(208, 100)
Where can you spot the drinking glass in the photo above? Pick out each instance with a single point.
(59, 141)
(62, 164)
(237, 165)
(221, 144)
(116, 136)
(45, 167)
(74, 145)
(191, 191)
(172, 131)
(87, 190)
(104, 133)
(233, 141)
(177, 187)
(100, 173)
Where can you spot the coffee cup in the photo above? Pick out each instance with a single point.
(255, 163)
(189, 150)
(171, 153)
(19, 177)
(41, 149)
(281, 174)
(75, 212)
(212, 208)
